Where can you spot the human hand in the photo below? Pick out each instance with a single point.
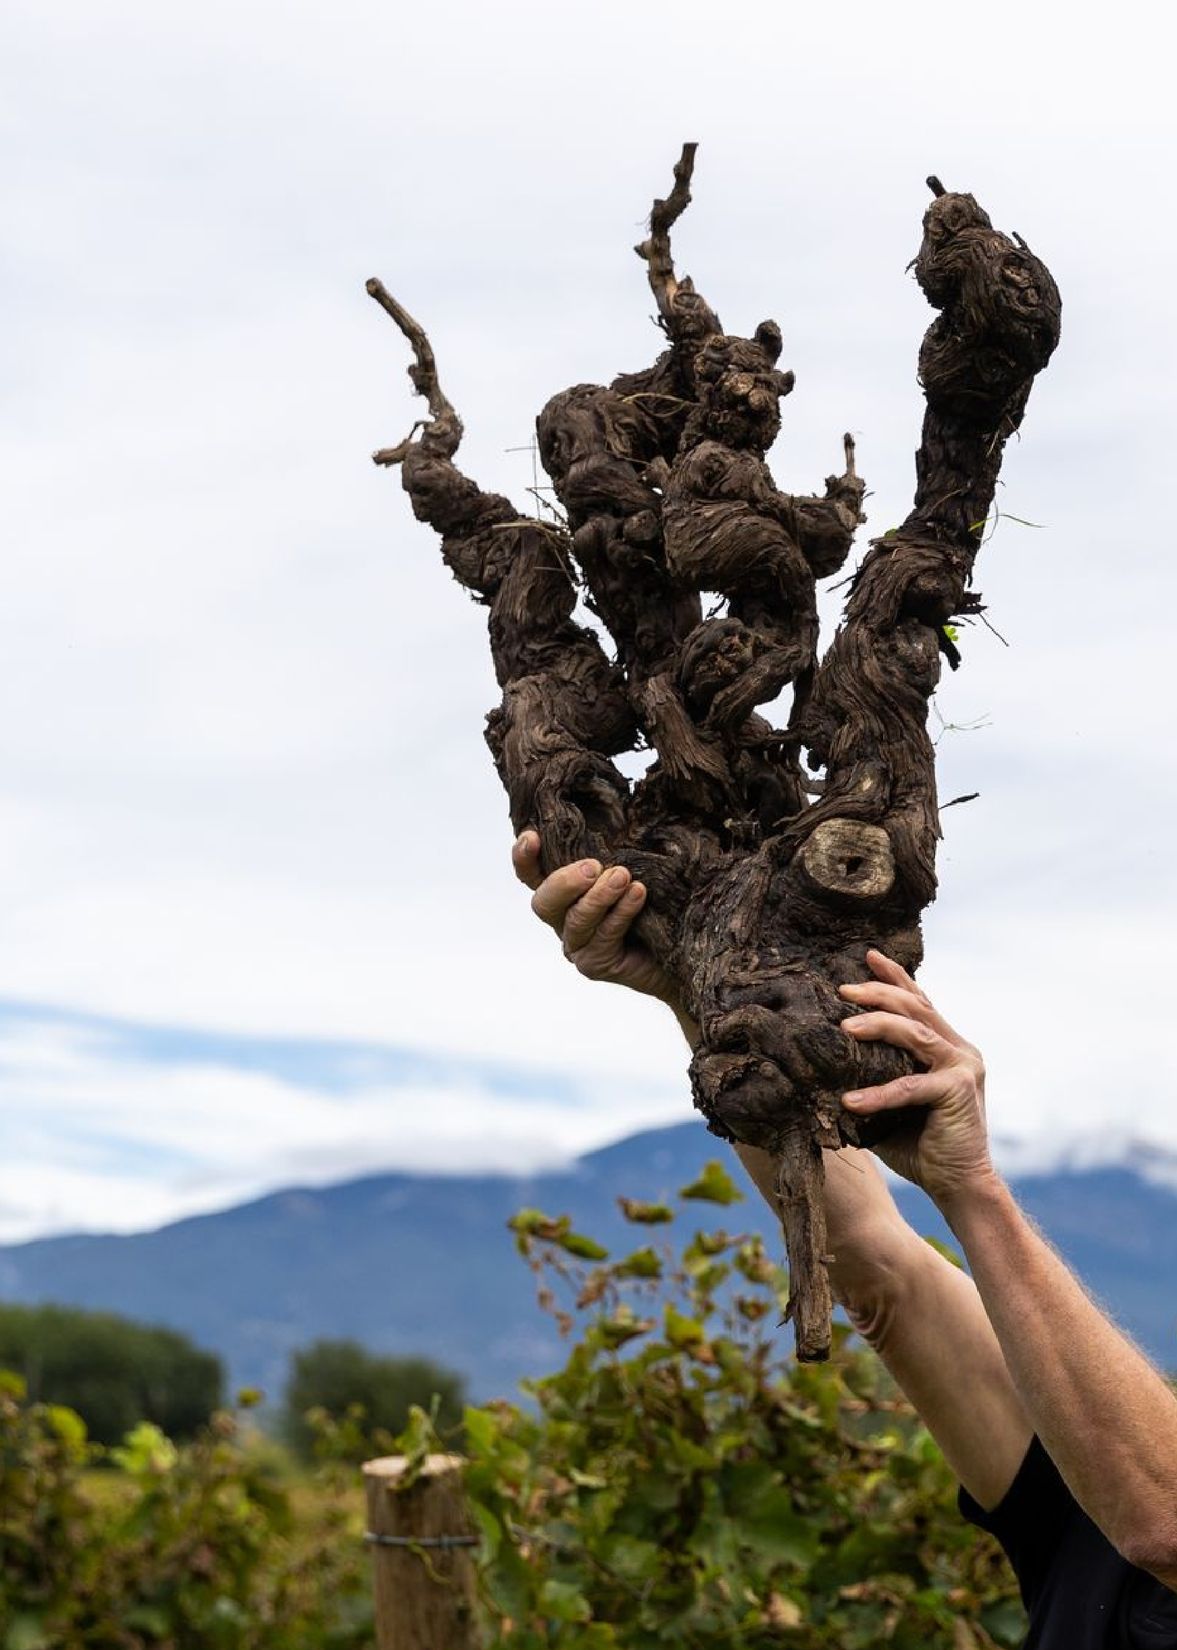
(946, 1151)
(592, 910)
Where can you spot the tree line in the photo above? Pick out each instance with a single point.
(679, 1481)
(116, 1373)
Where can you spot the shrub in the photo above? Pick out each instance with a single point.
(113, 1372)
(679, 1484)
(342, 1382)
(202, 1546)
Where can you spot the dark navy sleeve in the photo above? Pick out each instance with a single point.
(1079, 1592)
(1031, 1521)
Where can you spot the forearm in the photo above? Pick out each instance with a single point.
(1105, 1416)
(923, 1317)
(928, 1326)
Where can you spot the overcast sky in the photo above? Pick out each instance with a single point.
(258, 921)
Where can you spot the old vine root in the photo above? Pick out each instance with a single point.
(767, 885)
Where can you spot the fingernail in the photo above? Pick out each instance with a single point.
(618, 877)
(845, 990)
(854, 1098)
(589, 868)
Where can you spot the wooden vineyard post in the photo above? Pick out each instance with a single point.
(423, 1543)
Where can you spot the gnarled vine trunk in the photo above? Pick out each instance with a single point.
(767, 886)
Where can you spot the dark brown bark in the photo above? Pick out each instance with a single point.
(766, 886)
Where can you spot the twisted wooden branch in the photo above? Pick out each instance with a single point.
(762, 902)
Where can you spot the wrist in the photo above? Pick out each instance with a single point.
(978, 1198)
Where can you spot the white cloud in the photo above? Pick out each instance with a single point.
(243, 783)
(101, 1134)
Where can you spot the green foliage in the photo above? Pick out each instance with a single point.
(533, 1223)
(678, 1484)
(348, 1401)
(645, 1214)
(113, 1372)
(714, 1185)
(207, 1545)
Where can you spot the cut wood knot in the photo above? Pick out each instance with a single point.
(850, 859)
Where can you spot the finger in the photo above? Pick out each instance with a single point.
(898, 1000)
(879, 994)
(889, 971)
(525, 858)
(913, 1035)
(585, 917)
(611, 928)
(885, 968)
(561, 889)
(922, 1088)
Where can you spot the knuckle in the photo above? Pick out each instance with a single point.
(964, 1080)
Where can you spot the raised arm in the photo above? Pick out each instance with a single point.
(924, 1318)
(1105, 1416)
(922, 1314)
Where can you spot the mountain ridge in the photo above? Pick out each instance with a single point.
(415, 1263)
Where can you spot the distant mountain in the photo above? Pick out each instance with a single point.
(416, 1263)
